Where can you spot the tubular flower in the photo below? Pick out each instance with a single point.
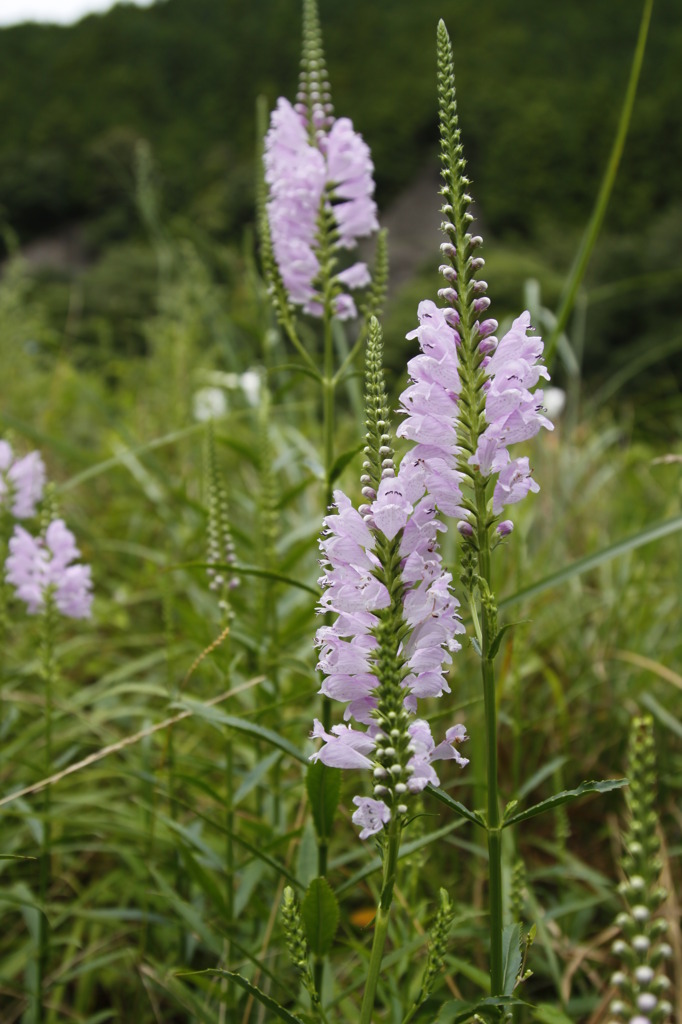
(21, 481)
(395, 629)
(38, 566)
(319, 175)
(304, 180)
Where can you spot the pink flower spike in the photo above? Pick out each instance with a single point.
(36, 566)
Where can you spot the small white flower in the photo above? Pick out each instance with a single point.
(209, 404)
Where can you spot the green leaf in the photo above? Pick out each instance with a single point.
(457, 1011)
(250, 570)
(495, 645)
(241, 725)
(545, 1013)
(511, 956)
(324, 787)
(342, 461)
(320, 913)
(583, 565)
(271, 1004)
(456, 806)
(604, 786)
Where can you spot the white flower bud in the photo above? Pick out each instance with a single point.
(644, 974)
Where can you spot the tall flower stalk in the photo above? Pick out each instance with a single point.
(318, 203)
(390, 643)
(471, 398)
(48, 579)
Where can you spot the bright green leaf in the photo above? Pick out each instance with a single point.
(271, 1004)
(456, 806)
(511, 956)
(604, 786)
(320, 913)
(324, 787)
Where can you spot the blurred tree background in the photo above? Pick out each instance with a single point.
(540, 90)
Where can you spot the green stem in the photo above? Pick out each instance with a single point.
(382, 920)
(48, 674)
(496, 915)
(594, 226)
(494, 833)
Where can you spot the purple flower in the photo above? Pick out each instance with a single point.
(430, 405)
(303, 178)
(295, 174)
(350, 649)
(349, 172)
(37, 566)
(371, 815)
(21, 481)
(512, 411)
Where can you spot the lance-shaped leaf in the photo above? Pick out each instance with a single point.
(324, 786)
(320, 913)
(267, 1001)
(511, 956)
(456, 806)
(604, 786)
(458, 1011)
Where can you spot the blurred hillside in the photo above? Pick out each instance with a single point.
(542, 85)
(540, 89)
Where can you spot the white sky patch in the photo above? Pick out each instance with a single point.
(58, 12)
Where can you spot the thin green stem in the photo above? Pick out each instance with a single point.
(594, 225)
(382, 919)
(496, 921)
(48, 675)
(494, 832)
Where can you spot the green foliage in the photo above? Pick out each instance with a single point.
(101, 373)
(320, 913)
(324, 788)
(539, 118)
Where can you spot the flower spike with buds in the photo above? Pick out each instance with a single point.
(641, 980)
(396, 625)
(318, 171)
(471, 395)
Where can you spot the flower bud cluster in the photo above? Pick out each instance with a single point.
(220, 551)
(471, 395)
(295, 939)
(641, 982)
(438, 939)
